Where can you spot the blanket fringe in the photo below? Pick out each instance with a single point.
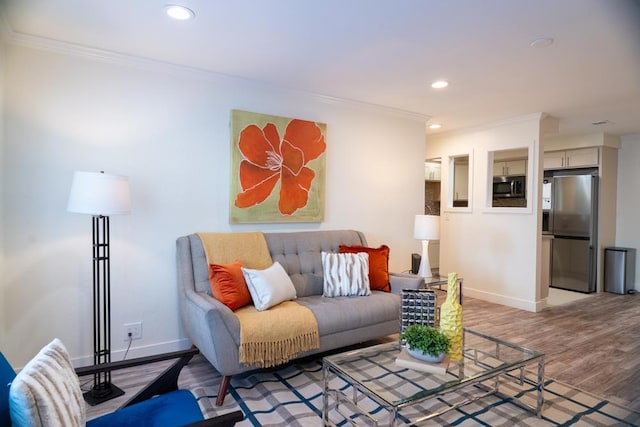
(272, 353)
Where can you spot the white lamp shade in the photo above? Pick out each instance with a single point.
(426, 227)
(99, 194)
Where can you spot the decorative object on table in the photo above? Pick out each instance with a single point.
(425, 228)
(418, 306)
(451, 317)
(100, 195)
(277, 169)
(425, 342)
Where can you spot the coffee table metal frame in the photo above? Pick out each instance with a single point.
(479, 364)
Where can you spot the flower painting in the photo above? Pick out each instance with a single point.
(277, 167)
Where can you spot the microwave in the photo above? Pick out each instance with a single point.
(509, 187)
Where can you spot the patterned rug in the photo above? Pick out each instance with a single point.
(292, 396)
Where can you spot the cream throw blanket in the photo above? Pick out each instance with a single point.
(270, 337)
(277, 335)
(225, 248)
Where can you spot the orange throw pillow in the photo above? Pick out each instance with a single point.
(378, 265)
(228, 285)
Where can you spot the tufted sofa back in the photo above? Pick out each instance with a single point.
(298, 252)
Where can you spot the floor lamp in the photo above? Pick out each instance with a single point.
(100, 195)
(425, 228)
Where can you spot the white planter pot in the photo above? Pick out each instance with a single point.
(426, 357)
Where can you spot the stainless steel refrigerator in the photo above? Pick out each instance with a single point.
(574, 222)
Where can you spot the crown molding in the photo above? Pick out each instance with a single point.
(539, 117)
(116, 58)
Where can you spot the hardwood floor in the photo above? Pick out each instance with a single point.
(592, 344)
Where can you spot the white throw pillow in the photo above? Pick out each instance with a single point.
(345, 274)
(269, 287)
(46, 392)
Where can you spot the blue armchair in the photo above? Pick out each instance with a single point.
(47, 392)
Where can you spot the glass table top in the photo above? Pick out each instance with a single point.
(374, 368)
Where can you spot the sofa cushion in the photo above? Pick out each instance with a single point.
(269, 287)
(345, 274)
(340, 314)
(378, 265)
(177, 408)
(228, 285)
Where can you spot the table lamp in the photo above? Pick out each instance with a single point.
(425, 228)
(100, 195)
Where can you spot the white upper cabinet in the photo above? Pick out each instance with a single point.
(510, 167)
(432, 171)
(578, 158)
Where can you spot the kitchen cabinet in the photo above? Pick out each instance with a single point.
(510, 167)
(578, 158)
(432, 171)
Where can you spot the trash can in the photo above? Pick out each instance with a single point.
(619, 270)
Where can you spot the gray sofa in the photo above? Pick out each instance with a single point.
(215, 330)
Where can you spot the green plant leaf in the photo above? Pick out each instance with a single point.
(425, 338)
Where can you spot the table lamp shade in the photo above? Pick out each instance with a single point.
(99, 194)
(426, 227)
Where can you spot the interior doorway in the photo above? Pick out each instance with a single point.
(432, 168)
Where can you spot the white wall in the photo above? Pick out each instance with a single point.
(3, 321)
(168, 130)
(628, 205)
(496, 251)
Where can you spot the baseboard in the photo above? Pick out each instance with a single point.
(532, 306)
(146, 350)
(541, 304)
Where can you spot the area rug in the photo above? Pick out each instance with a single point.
(292, 396)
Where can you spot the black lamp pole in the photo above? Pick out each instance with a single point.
(102, 389)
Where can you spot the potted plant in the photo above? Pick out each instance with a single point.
(425, 342)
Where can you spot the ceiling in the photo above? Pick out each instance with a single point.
(385, 52)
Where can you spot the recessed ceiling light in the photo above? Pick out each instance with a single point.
(439, 84)
(180, 13)
(435, 126)
(541, 42)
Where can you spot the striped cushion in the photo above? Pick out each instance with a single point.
(345, 274)
(46, 392)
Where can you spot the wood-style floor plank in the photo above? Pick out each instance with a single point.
(592, 343)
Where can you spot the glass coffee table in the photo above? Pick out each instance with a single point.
(372, 371)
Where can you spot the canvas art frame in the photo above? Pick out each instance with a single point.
(277, 169)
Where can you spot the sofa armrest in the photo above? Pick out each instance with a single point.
(212, 327)
(400, 281)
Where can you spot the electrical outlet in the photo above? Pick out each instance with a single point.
(135, 329)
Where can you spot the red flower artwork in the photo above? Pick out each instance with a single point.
(267, 159)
